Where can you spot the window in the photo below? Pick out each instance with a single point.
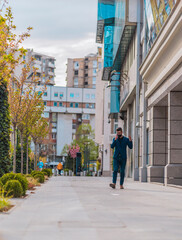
(76, 72)
(45, 103)
(55, 104)
(46, 114)
(73, 126)
(87, 96)
(77, 95)
(54, 135)
(45, 94)
(71, 104)
(100, 65)
(76, 65)
(94, 80)
(54, 117)
(61, 95)
(94, 64)
(23, 57)
(76, 105)
(86, 117)
(71, 95)
(94, 72)
(60, 104)
(86, 67)
(39, 92)
(75, 81)
(55, 94)
(86, 75)
(92, 105)
(92, 96)
(87, 105)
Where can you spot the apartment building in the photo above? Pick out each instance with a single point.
(142, 65)
(82, 72)
(45, 67)
(65, 109)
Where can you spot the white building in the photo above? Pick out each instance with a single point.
(66, 108)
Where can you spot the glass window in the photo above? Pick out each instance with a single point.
(94, 80)
(76, 72)
(55, 94)
(76, 65)
(93, 96)
(86, 116)
(94, 64)
(45, 93)
(75, 81)
(94, 72)
(87, 105)
(100, 65)
(60, 104)
(76, 105)
(54, 117)
(55, 104)
(87, 96)
(71, 95)
(71, 104)
(45, 103)
(61, 94)
(46, 114)
(92, 105)
(54, 135)
(39, 92)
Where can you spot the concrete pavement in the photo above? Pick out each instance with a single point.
(85, 208)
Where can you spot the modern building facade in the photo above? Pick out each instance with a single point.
(142, 51)
(45, 67)
(82, 72)
(65, 109)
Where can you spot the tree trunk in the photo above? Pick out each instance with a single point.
(14, 156)
(27, 158)
(35, 157)
(21, 138)
(39, 151)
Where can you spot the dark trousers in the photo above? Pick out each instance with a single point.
(59, 170)
(118, 162)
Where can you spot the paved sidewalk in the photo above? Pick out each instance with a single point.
(85, 208)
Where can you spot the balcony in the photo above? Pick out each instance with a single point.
(50, 73)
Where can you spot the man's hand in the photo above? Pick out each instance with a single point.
(130, 138)
(116, 137)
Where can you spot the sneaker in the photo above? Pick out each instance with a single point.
(121, 187)
(112, 185)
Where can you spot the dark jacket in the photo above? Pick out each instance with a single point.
(120, 147)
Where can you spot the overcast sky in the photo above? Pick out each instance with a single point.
(61, 28)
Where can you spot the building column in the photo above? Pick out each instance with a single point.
(157, 144)
(173, 169)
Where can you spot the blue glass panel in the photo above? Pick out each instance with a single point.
(120, 9)
(115, 93)
(108, 46)
(106, 9)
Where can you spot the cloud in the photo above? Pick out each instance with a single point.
(62, 50)
(62, 28)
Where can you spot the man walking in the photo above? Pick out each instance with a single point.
(120, 143)
(59, 167)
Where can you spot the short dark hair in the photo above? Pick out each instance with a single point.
(119, 129)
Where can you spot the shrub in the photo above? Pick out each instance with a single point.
(15, 176)
(34, 172)
(66, 170)
(6, 177)
(48, 171)
(40, 177)
(4, 201)
(13, 188)
(22, 179)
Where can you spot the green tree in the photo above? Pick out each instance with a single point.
(85, 140)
